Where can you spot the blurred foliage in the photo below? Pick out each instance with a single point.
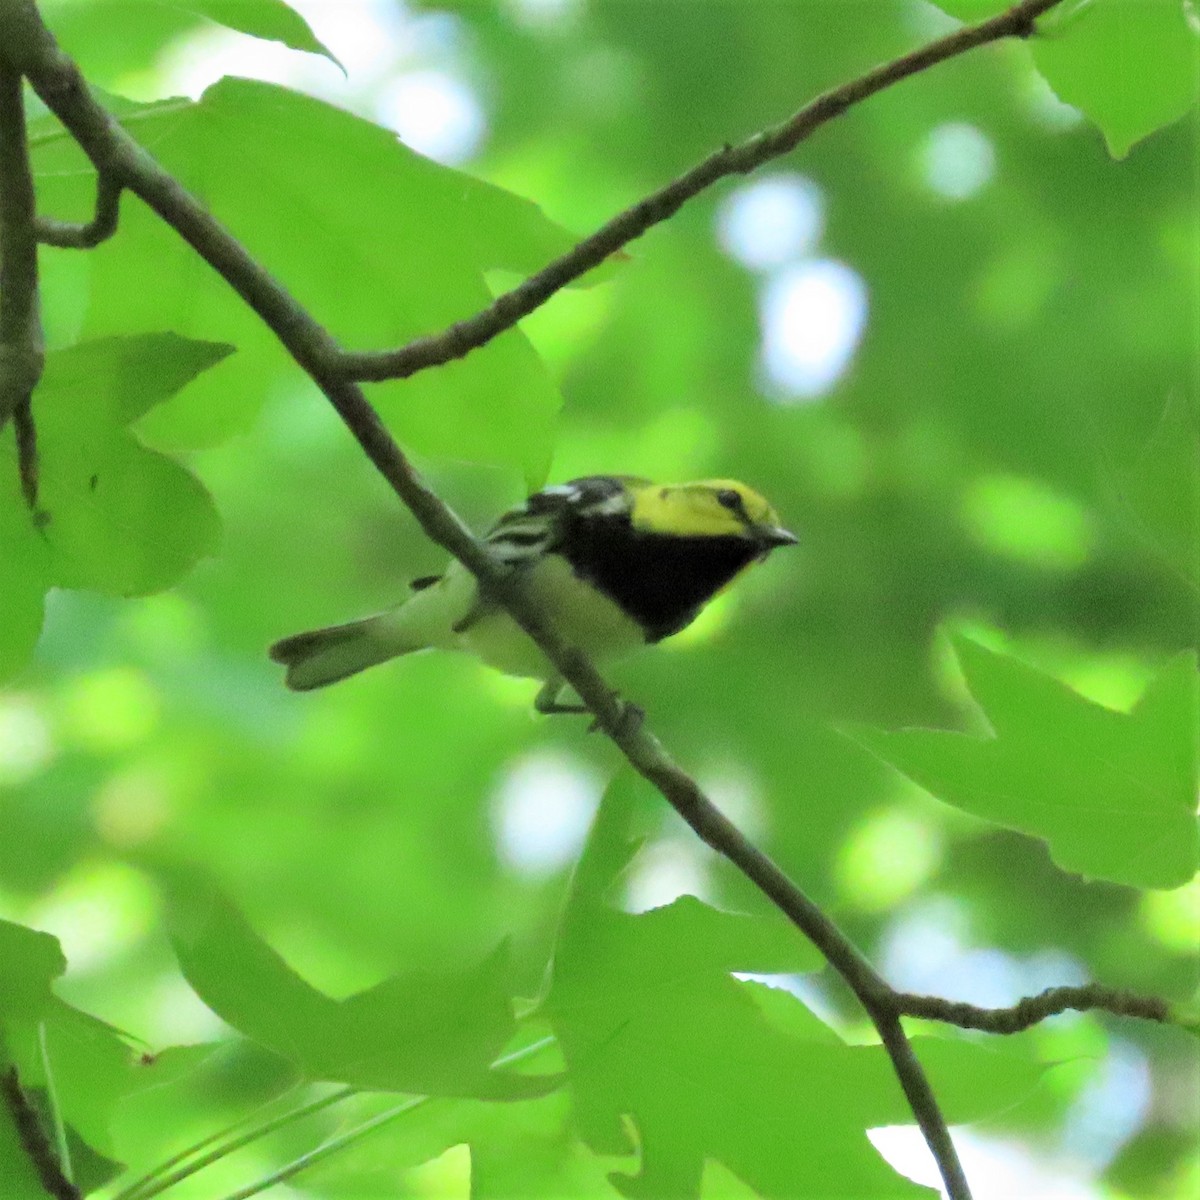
(999, 501)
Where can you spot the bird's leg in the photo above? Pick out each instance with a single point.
(546, 700)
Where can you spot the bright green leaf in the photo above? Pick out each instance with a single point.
(378, 242)
(120, 519)
(1159, 491)
(89, 1065)
(424, 1032)
(271, 20)
(654, 1027)
(1130, 65)
(24, 569)
(1113, 794)
(21, 1181)
(30, 961)
(114, 39)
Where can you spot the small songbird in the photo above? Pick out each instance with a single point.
(613, 562)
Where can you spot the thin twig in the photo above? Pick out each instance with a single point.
(21, 353)
(62, 1147)
(325, 1149)
(112, 151)
(461, 338)
(33, 1138)
(1091, 997)
(164, 1177)
(336, 1144)
(70, 235)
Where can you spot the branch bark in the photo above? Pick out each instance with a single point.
(1091, 997)
(21, 351)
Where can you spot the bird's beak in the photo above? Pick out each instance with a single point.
(770, 536)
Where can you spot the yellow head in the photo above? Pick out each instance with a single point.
(710, 508)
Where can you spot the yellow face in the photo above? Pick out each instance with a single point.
(710, 508)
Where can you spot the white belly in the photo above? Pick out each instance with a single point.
(583, 617)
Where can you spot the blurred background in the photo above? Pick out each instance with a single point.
(952, 341)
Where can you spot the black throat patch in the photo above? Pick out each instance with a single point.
(661, 580)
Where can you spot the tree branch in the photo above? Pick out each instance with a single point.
(70, 235)
(460, 339)
(60, 86)
(119, 159)
(34, 1140)
(21, 352)
(1091, 997)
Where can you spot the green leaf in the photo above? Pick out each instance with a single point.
(121, 519)
(380, 244)
(90, 1068)
(429, 1032)
(90, 1169)
(1130, 65)
(1159, 490)
(113, 39)
(271, 20)
(21, 1181)
(654, 1028)
(1113, 794)
(24, 569)
(25, 566)
(30, 961)
(87, 1061)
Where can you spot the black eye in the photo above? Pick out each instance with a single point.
(730, 499)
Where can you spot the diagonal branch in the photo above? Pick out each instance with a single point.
(461, 338)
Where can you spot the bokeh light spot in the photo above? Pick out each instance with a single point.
(957, 160)
(1111, 1106)
(132, 807)
(886, 858)
(1173, 918)
(1025, 520)
(813, 315)
(26, 745)
(97, 911)
(767, 223)
(666, 870)
(111, 709)
(1046, 109)
(545, 14)
(435, 114)
(542, 810)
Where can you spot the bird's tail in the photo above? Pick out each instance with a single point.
(323, 656)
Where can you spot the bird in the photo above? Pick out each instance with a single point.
(613, 562)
